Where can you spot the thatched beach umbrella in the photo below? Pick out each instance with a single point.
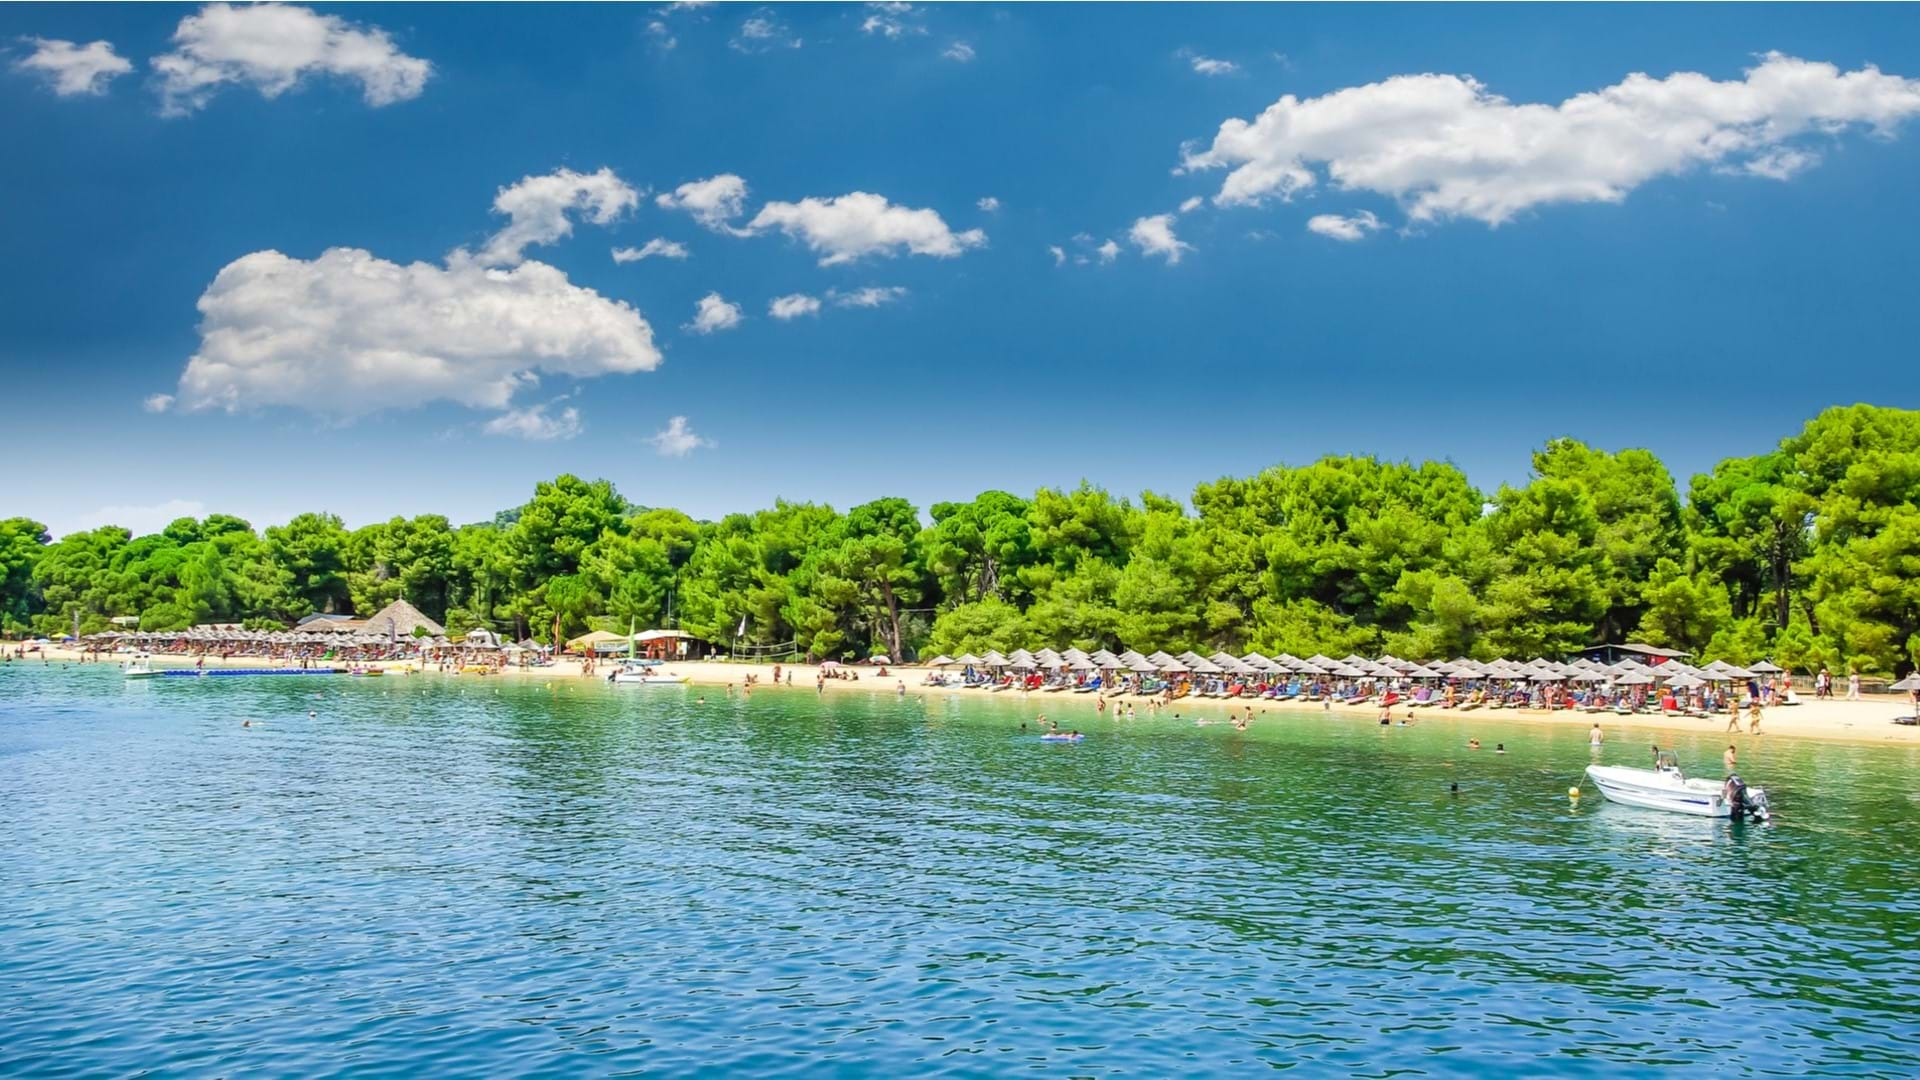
(1766, 667)
(1911, 682)
(969, 660)
(943, 660)
(994, 659)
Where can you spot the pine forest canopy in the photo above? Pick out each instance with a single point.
(1809, 555)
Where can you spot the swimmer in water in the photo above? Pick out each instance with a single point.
(1473, 744)
(1499, 748)
(1596, 736)
(246, 723)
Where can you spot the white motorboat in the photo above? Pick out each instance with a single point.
(645, 673)
(1665, 787)
(140, 667)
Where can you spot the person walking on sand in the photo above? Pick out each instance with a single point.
(1733, 713)
(1853, 685)
(1753, 718)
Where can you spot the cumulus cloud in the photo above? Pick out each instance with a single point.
(157, 403)
(1154, 236)
(871, 296)
(677, 439)
(988, 203)
(959, 52)
(1207, 65)
(348, 333)
(892, 19)
(713, 314)
(1445, 146)
(538, 207)
(1059, 254)
(1350, 227)
(657, 248)
(851, 226)
(534, 423)
(1110, 251)
(73, 70)
(793, 305)
(713, 202)
(763, 33)
(1188, 206)
(272, 47)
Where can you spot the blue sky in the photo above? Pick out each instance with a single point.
(1398, 262)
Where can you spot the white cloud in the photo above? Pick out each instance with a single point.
(157, 403)
(892, 19)
(793, 305)
(657, 248)
(763, 33)
(1154, 236)
(988, 203)
(1446, 147)
(1188, 206)
(72, 70)
(1349, 228)
(959, 52)
(534, 423)
(1059, 254)
(1207, 65)
(662, 36)
(713, 314)
(141, 520)
(272, 47)
(1110, 251)
(713, 202)
(871, 296)
(538, 207)
(1782, 163)
(848, 227)
(677, 439)
(348, 333)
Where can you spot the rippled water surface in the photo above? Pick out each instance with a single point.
(494, 877)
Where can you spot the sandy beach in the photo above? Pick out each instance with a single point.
(1869, 720)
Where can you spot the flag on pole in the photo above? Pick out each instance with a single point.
(742, 631)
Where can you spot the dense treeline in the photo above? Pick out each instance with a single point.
(1809, 554)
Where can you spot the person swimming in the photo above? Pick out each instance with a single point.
(1499, 748)
(1473, 744)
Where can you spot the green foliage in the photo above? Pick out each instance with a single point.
(1809, 554)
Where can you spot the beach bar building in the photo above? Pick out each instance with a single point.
(1632, 650)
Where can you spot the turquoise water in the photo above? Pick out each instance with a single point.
(497, 877)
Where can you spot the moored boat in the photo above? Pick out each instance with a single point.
(1665, 787)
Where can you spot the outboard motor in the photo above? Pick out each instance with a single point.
(1746, 801)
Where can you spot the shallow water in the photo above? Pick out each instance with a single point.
(496, 876)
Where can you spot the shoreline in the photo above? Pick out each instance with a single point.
(1866, 722)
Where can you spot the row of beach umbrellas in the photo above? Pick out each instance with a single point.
(1539, 670)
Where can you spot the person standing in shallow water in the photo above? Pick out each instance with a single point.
(1729, 758)
(1596, 736)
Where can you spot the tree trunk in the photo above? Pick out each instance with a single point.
(893, 620)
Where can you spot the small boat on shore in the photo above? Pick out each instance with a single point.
(1665, 787)
(644, 673)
